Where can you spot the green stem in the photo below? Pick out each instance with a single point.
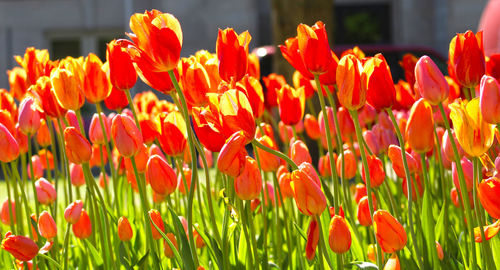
(276, 153)
(66, 244)
(32, 171)
(65, 161)
(443, 190)
(322, 246)
(132, 108)
(244, 226)
(11, 216)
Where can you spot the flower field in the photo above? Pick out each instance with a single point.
(223, 173)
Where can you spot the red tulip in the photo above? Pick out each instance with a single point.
(487, 192)
(122, 74)
(78, 149)
(125, 232)
(466, 58)
(83, 227)
(160, 176)
(232, 156)
(248, 184)
(291, 103)
(126, 135)
(306, 189)
(158, 221)
(312, 239)
(376, 80)
(314, 48)
(9, 149)
(350, 93)
(232, 52)
(21, 247)
(73, 212)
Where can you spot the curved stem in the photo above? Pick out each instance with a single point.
(276, 153)
(322, 246)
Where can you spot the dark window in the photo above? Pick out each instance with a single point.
(60, 48)
(102, 44)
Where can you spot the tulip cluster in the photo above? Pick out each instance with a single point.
(236, 169)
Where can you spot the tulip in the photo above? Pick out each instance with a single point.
(306, 189)
(29, 117)
(392, 263)
(67, 89)
(284, 182)
(291, 53)
(232, 156)
(173, 135)
(232, 52)
(46, 193)
(122, 74)
(78, 149)
(431, 83)
(5, 212)
(126, 135)
(37, 167)
(468, 170)
(376, 170)
(371, 253)
(346, 125)
(312, 127)
(21, 247)
(9, 149)
(314, 48)
(47, 226)
(255, 94)
(158, 221)
(299, 152)
(408, 63)
(248, 184)
(73, 212)
(394, 154)
(420, 127)
(117, 100)
(151, 30)
(446, 146)
(350, 166)
(96, 86)
(363, 212)
(291, 104)
(43, 134)
(300, 81)
(350, 93)
(43, 92)
(488, 191)
(339, 235)
(83, 227)
(268, 162)
(414, 178)
(167, 250)
(18, 82)
(186, 174)
(329, 78)
(95, 130)
(389, 232)
(312, 239)
(195, 81)
(489, 232)
(125, 232)
(439, 250)
(76, 174)
(160, 176)
(466, 56)
(324, 167)
(208, 127)
(489, 99)
(237, 114)
(273, 83)
(473, 133)
(360, 192)
(376, 81)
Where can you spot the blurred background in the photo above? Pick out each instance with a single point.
(77, 27)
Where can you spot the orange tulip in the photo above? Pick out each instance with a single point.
(488, 191)
(299, 152)
(300, 81)
(312, 127)
(253, 69)
(29, 117)
(5, 212)
(248, 184)
(43, 134)
(18, 82)
(392, 263)
(126, 135)
(389, 232)
(125, 232)
(489, 232)
(284, 182)
(273, 83)
(291, 53)
(363, 212)
(73, 212)
(67, 88)
(47, 226)
(314, 48)
(346, 125)
(34, 63)
(291, 103)
(376, 81)
(232, 156)
(195, 81)
(157, 40)
(255, 94)
(160, 176)
(268, 161)
(9, 148)
(208, 127)
(96, 86)
(232, 52)
(350, 166)
(431, 83)
(489, 99)
(306, 189)
(83, 227)
(396, 158)
(339, 235)
(237, 114)
(173, 135)
(350, 93)
(360, 192)
(420, 127)
(47, 159)
(466, 56)
(185, 173)
(167, 250)
(312, 239)
(439, 250)
(122, 74)
(95, 130)
(416, 184)
(78, 149)
(43, 92)
(158, 221)
(21, 247)
(324, 168)
(371, 253)
(376, 170)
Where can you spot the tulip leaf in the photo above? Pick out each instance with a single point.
(143, 259)
(495, 245)
(184, 247)
(213, 247)
(168, 242)
(96, 256)
(363, 265)
(52, 261)
(123, 256)
(440, 223)
(301, 232)
(428, 227)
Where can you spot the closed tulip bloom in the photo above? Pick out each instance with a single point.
(291, 104)
(157, 40)
(350, 162)
(232, 52)
(468, 170)
(339, 235)
(76, 174)
(5, 212)
(173, 135)
(195, 81)
(439, 250)
(311, 126)
(83, 227)
(248, 184)
(299, 152)
(125, 232)
(363, 213)
(447, 148)
(237, 114)
(122, 74)
(371, 141)
(466, 56)
(37, 167)
(96, 86)
(473, 133)
(167, 250)
(160, 176)
(95, 130)
(396, 158)
(21, 247)
(18, 82)
(431, 83)
(47, 226)
(73, 212)
(350, 93)
(377, 82)
(43, 134)
(127, 137)
(487, 192)
(29, 117)
(273, 82)
(158, 221)
(324, 167)
(408, 63)
(67, 89)
(9, 148)
(232, 156)
(371, 253)
(392, 263)
(312, 239)
(268, 162)
(389, 232)
(78, 149)
(489, 232)
(416, 184)
(117, 100)
(420, 127)
(284, 182)
(489, 99)
(314, 48)
(376, 170)
(306, 190)
(360, 192)
(45, 191)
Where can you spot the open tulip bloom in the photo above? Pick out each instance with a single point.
(224, 173)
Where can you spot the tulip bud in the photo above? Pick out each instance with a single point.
(284, 182)
(360, 192)
(446, 146)
(351, 95)
(312, 239)
(73, 212)
(389, 232)
(173, 136)
(306, 188)
(122, 74)
(363, 213)
(431, 83)
(96, 85)
(126, 135)
(420, 127)
(324, 167)
(5, 212)
(37, 167)
(489, 99)
(396, 158)
(313, 47)
(95, 129)
(392, 263)
(45, 191)
(377, 81)
(439, 250)
(339, 235)
(78, 149)
(487, 192)
(232, 156)
(156, 218)
(291, 104)
(312, 127)
(76, 174)
(47, 226)
(9, 148)
(29, 117)
(232, 52)
(125, 232)
(160, 176)
(167, 250)
(268, 161)
(83, 227)
(466, 56)
(350, 166)
(43, 134)
(248, 184)
(299, 152)
(21, 247)
(376, 170)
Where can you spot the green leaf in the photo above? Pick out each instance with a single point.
(301, 232)
(187, 256)
(168, 242)
(363, 265)
(212, 246)
(273, 265)
(428, 227)
(143, 259)
(495, 245)
(242, 248)
(122, 253)
(439, 224)
(96, 257)
(52, 261)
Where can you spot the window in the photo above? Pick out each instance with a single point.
(60, 48)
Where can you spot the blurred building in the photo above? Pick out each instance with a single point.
(77, 27)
